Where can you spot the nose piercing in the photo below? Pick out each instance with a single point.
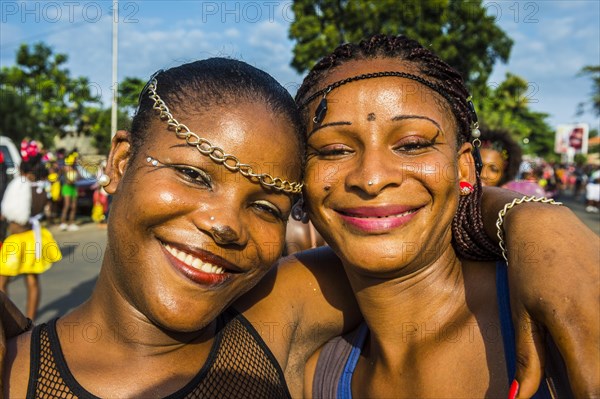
(212, 218)
(370, 183)
(152, 161)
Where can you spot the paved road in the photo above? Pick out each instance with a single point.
(71, 281)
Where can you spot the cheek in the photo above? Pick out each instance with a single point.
(439, 171)
(321, 178)
(268, 245)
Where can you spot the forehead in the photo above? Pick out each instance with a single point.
(491, 156)
(384, 96)
(251, 132)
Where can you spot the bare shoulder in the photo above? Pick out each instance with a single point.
(304, 301)
(295, 284)
(17, 362)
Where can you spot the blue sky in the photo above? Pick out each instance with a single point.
(553, 40)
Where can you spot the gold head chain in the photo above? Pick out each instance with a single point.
(217, 154)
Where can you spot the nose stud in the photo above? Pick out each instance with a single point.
(370, 183)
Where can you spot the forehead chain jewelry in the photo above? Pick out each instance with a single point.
(217, 154)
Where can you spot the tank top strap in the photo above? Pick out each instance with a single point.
(508, 332)
(345, 384)
(34, 362)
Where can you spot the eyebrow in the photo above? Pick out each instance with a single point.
(403, 117)
(327, 125)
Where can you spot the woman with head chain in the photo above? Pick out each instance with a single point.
(192, 227)
(202, 193)
(396, 121)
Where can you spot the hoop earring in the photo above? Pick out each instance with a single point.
(299, 212)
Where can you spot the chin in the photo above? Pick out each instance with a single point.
(186, 314)
(186, 320)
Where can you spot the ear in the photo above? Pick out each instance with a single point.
(118, 159)
(466, 164)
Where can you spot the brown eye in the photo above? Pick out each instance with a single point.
(194, 175)
(267, 207)
(334, 150)
(413, 145)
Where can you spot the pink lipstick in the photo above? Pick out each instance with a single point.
(379, 219)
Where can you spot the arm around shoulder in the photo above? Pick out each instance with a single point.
(312, 289)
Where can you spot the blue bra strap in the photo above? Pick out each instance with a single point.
(345, 385)
(506, 323)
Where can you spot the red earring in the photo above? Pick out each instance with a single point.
(466, 188)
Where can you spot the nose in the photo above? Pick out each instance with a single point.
(376, 170)
(224, 234)
(225, 226)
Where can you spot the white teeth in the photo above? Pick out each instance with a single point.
(194, 262)
(390, 216)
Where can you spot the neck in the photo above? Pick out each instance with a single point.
(111, 319)
(414, 308)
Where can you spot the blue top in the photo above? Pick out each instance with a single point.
(344, 389)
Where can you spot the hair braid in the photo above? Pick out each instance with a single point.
(469, 237)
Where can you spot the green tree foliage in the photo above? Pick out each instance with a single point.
(129, 91)
(99, 124)
(594, 72)
(459, 31)
(507, 106)
(41, 93)
(99, 119)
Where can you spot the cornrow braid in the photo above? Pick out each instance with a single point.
(469, 238)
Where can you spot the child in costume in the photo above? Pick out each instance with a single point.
(69, 193)
(29, 249)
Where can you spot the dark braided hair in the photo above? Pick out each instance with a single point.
(469, 237)
(215, 82)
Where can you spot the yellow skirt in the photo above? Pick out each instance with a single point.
(17, 255)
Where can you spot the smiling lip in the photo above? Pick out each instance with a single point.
(379, 219)
(200, 266)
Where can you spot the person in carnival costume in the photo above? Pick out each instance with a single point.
(29, 249)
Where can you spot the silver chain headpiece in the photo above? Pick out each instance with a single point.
(217, 154)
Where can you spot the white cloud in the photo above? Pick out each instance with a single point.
(232, 33)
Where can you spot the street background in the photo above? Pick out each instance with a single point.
(70, 281)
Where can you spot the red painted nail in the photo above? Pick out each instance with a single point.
(514, 389)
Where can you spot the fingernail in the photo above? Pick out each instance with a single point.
(514, 389)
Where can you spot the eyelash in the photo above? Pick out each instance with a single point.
(410, 147)
(194, 175)
(415, 146)
(332, 151)
(262, 206)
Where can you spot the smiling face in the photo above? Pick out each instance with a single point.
(187, 236)
(383, 170)
(493, 167)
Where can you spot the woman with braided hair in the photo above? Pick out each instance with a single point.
(402, 213)
(202, 191)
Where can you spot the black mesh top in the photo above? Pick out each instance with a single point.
(240, 365)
